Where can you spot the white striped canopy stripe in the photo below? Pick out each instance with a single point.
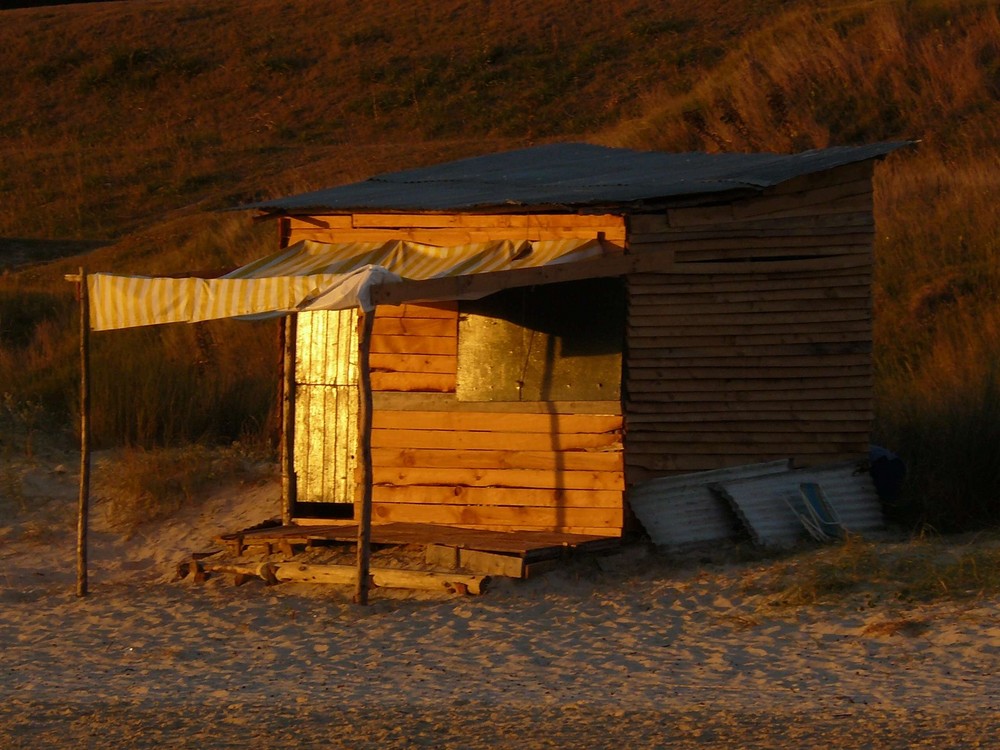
(309, 275)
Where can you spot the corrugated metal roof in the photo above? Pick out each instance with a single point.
(681, 512)
(571, 175)
(762, 502)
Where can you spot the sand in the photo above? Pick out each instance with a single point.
(627, 650)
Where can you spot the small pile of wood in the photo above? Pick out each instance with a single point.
(201, 567)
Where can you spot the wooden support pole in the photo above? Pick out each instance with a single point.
(289, 488)
(83, 510)
(363, 582)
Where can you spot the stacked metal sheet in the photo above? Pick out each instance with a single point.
(681, 512)
(694, 509)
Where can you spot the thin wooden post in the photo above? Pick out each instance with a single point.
(289, 487)
(365, 458)
(84, 504)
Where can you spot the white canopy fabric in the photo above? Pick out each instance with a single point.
(310, 276)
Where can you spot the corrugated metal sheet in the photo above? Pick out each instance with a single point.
(681, 512)
(564, 175)
(326, 406)
(762, 502)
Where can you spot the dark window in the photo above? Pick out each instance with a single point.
(558, 342)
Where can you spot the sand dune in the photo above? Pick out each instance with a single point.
(629, 650)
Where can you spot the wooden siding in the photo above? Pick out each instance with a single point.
(758, 345)
(455, 229)
(438, 460)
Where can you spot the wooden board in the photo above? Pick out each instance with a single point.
(497, 496)
(462, 458)
(729, 368)
(476, 477)
(608, 519)
(492, 422)
(496, 440)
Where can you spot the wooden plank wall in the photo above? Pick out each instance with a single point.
(758, 346)
(501, 466)
(455, 229)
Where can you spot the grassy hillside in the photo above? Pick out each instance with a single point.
(126, 122)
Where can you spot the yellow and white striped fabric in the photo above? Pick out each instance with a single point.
(310, 276)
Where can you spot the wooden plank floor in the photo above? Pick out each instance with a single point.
(529, 545)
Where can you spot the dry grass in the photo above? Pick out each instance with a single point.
(922, 569)
(196, 106)
(147, 486)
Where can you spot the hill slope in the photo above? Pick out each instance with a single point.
(123, 121)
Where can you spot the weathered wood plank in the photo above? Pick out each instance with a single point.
(606, 222)
(447, 345)
(681, 319)
(759, 254)
(697, 441)
(721, 425)
(718, 285)
(833, 380)
(718, 341)
(410, 310)
(662, 306)
(758, 240)
(656, 466)
(414, 381)
(553, 519)
(833, 262)
(522, 441)
(641, 225)
(499, 459)
(453, 237)
(769, 412)
(734, 365)
(487, 422)
(833, 225)
(804, 348)
(444, 402)
(857, 407)
(829, 392)
(427, 363)
(497, 496)
(416, 326)
(526, 478)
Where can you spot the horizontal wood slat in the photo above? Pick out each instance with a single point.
(732, 386)
(442, 439)
(443, 402)
(476, 477)
(491, 422)
(608, 519)
(719, 372)
(498, 496)
(549, 460)
(457, 236)
(414, 326)
(427, 363)
(413, 381)
(447, 345)
(428, 310)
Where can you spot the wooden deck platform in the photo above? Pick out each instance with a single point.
(517, 554)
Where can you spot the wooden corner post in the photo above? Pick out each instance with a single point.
(84, 503)
(365, 458)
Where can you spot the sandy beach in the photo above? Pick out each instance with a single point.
(624, 650)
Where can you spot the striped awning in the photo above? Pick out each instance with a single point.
(310, 276)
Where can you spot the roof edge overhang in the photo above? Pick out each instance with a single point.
(694, 179)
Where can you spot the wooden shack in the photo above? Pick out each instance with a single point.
(638, 314)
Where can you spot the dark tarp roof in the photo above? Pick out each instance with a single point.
(564, 176)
